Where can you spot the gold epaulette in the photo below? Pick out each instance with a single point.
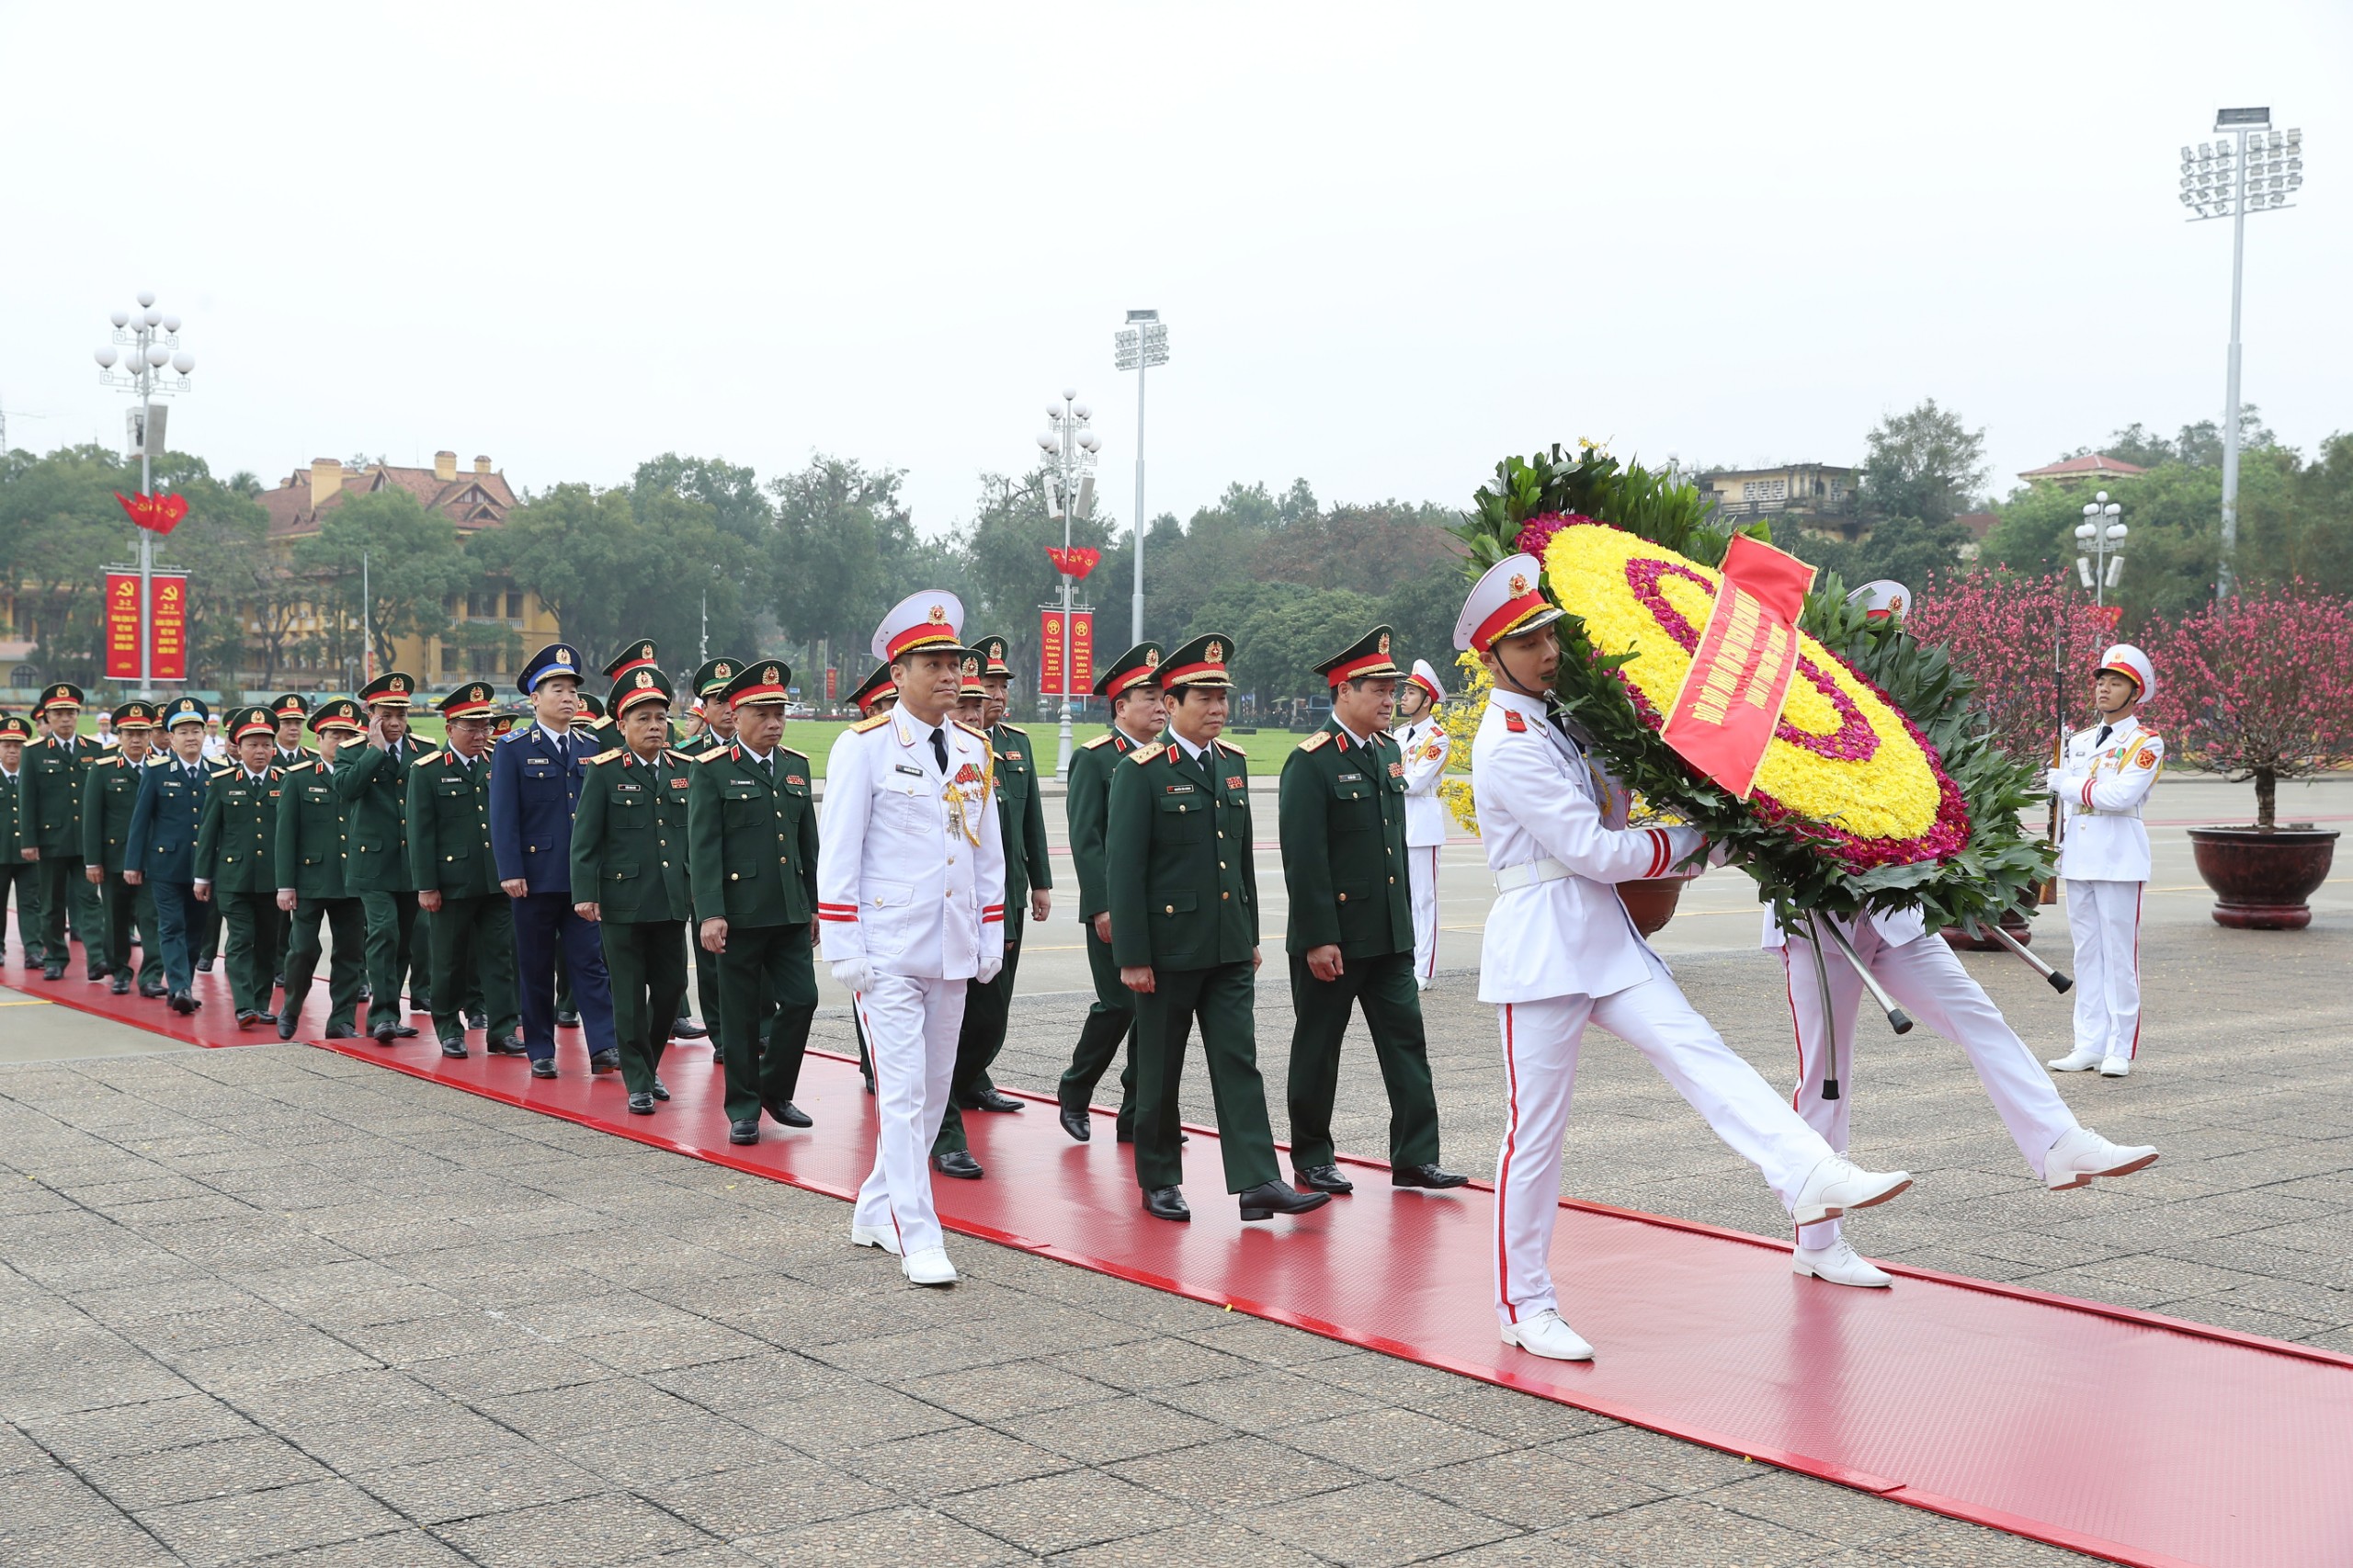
(675, 754)
(1319, 738)
(865, 724)
(1015, 730)
(980, 735)
(1231, 749)
(715, 753)
(606, 756)
(222, 773)
(788, 751)
(293, 768)
(1101, 740)
(1145, 754)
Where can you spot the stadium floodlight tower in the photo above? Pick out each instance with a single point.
(145, 341)
(2256, 170)
(1140, 345)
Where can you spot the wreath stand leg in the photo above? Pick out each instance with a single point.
(1829, 1012)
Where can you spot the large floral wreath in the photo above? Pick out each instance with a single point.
(1880, 788)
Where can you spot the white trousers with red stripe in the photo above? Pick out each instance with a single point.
(1540, 1042)
(1421, 881)
(911, 1027)
(2105, 919)
(1928, 980)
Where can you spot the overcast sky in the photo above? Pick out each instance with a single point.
(1391, 242)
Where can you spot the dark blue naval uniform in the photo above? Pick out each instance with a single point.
(534, 788)
(161, 848)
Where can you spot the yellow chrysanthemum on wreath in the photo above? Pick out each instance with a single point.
(1842, 756)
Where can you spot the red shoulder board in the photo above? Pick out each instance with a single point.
(1513, 723)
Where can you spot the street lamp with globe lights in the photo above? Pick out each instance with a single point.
(1068, 443)
(146, 341)
(2101, 538)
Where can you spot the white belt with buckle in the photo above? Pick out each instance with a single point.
(1528, 875)
(2133, 812)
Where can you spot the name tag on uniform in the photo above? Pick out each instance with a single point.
(628, 789)
(906, 768)
(1351, 777)
(1179, 789)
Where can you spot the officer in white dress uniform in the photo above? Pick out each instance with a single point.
(1560, 951)
(911, 903)
(2104, 858)
(1425, 747)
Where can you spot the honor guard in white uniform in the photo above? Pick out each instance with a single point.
(911, 905)
(2104, 859)
(1425, 747)
(1560, 951)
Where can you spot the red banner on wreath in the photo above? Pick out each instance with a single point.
(1732, 694)
(1050, 652)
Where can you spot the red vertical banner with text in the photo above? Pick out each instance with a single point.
(1050, 651)
(832, 677)
(1082, 651)
(122, 626)
(1732, 697)
(170, 623)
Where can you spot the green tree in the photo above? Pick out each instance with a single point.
(415, 566)
(1280, 632)
(1911, 551)
(1012, 575)
(841, 554)
(237, 590)
(60, 526)
(1925, 464)
(582, 550)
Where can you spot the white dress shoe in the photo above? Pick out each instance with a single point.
(929, 1266)
(1545, 1334)
(2116, 1067)
(2083, 1059)
(869, 1236)
(1840, 1264)
(2083, 1155)
(1838, 1183)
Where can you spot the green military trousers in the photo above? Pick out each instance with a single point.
(1384, 987)
(1220, 998)
(346, 967)
(647, 961)
(125, 907)
(474, 953)
(249, 919)
(390, 922)
(1110, 1020)
(24, 877)
(764, 967)
(63, 884)
(979, 1039)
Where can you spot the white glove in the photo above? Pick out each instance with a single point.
(2056, 780)
(1719, 853)
(853, 975)
(991, 969)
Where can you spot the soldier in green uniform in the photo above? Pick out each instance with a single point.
(1342, 821)
(1132, 686)
(628, 873)
(17, 874)
(54, 770)
(1022, 823)
(110, 795)
(1184, 895)
(718, 731)
(373, 781)
(879, 694)
(293, 711)
(748, 810)
(471, 921)
(312, 824)
(236, 859)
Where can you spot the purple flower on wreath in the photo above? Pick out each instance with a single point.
(1537, 532)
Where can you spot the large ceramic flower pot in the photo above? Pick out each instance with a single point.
(1651, 900)
(2261, 880)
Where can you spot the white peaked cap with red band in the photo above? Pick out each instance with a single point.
(1508, 600)
(1426, 678)
(928, 619)
(1883, 597)
(2127, 660)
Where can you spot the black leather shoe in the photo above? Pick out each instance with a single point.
(404, 1031)
(247, 1018)
(265, 1016)
(641, 1104)
(1078, 1123)
(1430, 1175)
(507, 1045)
(789, 1114)
(53, 972)
(182, 1003)
(604, 1061)
(204, 966)
(567, 1020)
(544, 1067)
(367, 993)
(957, 1162)
(686, 1029)
(382, 1034)
(1124, 1134)
(418, 1004)
(335, 1030)
(286, 1025)
(661, 1090)
(1325, 1178)
(996, 1102)
(745, 1131)
(120, 984)
(278, 983)
(1270, 1198)
(453, 1048)
(152, 989)
(477, 1021)
(1167, 1203)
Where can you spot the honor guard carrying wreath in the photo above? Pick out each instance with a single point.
(752, 857)
(1139, 711)
(109, 797)
(236, 858)
(535, 781)
(161, 854)
(1021, 819)
(55, 767)
(1561, 952)
(1424, 747)
(2104, 859)
(372, 778)
(1343, 821)
(911, 903)
(470, 920)
(629, 873)
(308, 847)
(1184, 894)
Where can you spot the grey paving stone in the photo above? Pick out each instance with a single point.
(1534, 1489)
(638, 1457)
(1061, 1513)
(580, 1408)
(939, 1464)
(1265, 1399)
(761, 1499)
(1680, 1530)
(1378, 1524)
(438, 1491)
(207, 1470)
(1234, 1473)
(1124, 1427)
(992, 1391)
(114, 1542)
(886, 1539)
(1390, 1443)
(230, 1530)
(591, 1533)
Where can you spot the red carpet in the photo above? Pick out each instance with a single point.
(2120, 1434)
